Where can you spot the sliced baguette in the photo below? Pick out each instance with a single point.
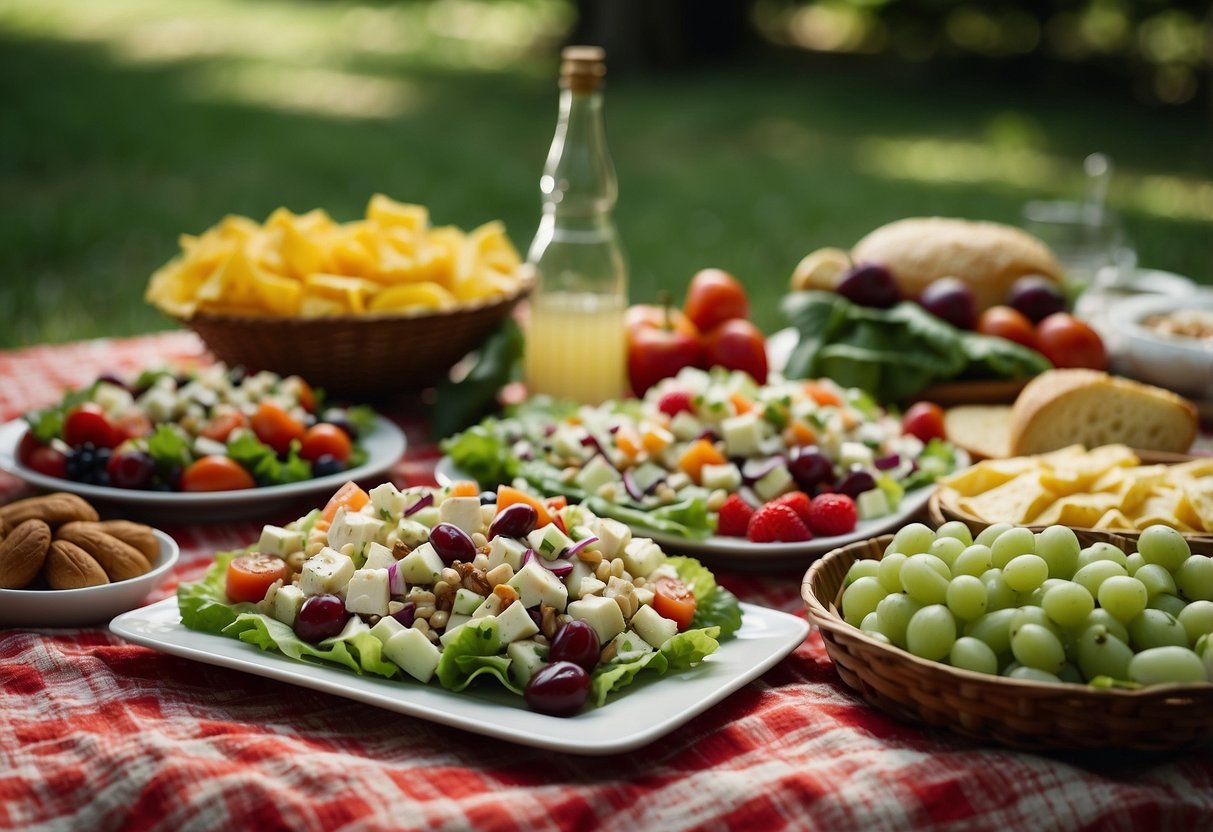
(1064, 407)
(983, 430)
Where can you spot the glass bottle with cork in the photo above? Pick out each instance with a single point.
(576, 346)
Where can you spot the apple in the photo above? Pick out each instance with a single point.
(713, 297)
(659, 349)
(737, 345)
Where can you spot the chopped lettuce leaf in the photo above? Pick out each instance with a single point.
(204, 605)
(473, 652)
(483, 454)
(260, 460)
(169, 447)
(937, 459)
(680, 652)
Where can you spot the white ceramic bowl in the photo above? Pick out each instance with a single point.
(1184, 365)
(91, 605)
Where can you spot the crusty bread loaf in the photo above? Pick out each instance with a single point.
(988, 256)
(1064, 407)
(983, 430)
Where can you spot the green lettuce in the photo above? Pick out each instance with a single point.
(263, 463)
(715, 606)
(679, 653)
(471, 653)
(937, 459)
(169, 447)
(483, 454)
(203, 604)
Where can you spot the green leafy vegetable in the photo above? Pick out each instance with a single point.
(715, 606)
(686, 518)
(203, 604)
(937, 459)
(680, 652)
(472, 653)
(483, 454)
(169, 447)
(461, 403)
(47, 424)
(260, 460)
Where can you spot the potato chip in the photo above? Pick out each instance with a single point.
(1078, 510)
(1113, 519)
(412, 296)
(1012, 502)
(986, 475)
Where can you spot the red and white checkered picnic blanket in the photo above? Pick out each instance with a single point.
(98, 734)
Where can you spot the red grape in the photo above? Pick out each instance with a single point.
(320, 617)
(1036, 297)
(576, 642)
(558, 689)
(452, 543)
(516, 520)
(950, 299)
(869, 284)
(131, 469)
(855, 483)
(811, 468)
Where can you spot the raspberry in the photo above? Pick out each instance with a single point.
(734, 517)
(798, 502)
(674, 402)
(774, 522)
(832, 514)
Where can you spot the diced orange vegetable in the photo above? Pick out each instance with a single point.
(656, 441)
(627, 442)
(822, 394)
(464, 488)
(249, 576)
(699, 453)
(507, 496)
(672, 599)
(741, 403)
(798, 433)
(349, 496)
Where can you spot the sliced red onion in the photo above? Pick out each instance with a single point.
(406, 614)
(591, 441)
(527, 557)
(629, 484)
(548, 430)
(425, 502)
(755, 469)
(397, 585)
(535, 615)
(578, 546)
(709, 435)
(559, 568)
(886, 463)
(613, 429)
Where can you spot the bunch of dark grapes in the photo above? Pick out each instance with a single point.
(87, 464)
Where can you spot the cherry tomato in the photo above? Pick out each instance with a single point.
(924, 420)
(275, 427)
(737, 345)
(654, 316)
(349, 496)
(88, 423)
(1069, 342)
(216, 473)
(249, 576)
(713, 297)
(220, 426)
(133, 424)
(44, 459)
(672, 599)
(307, 397)
(1005, 322)
(323, 439)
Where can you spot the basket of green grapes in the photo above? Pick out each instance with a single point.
(1038, 640)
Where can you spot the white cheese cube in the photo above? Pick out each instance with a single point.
(209, 447)
(276, 540)
(488, 609)
(452, 628)
(466, 601)
(726, 476)
(378, 556)
(367, 592)
(612, 536)
(642, 556)
(354, 528)
(602, 614)
(387, 501)
(644, 596)
(855, 453)
(514, 622)
(685, 426)
(463, 512)
(595, 474)
(504, 549)
(353, 627)
(590, 586)
(581, 572)
(742, 434)
(652, 627)
(411, 533)
(525, 658)
(158, 404)
(421, 566)
(535, 585)
(548, 541)
(326, 572)
(112, 398)
(776, 482)
(287, 602)
(413, 653)
(386, 628)
(629, 646)
(455, 620)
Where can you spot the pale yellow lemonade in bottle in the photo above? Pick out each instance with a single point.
(576, 347)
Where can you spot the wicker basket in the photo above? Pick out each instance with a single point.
(355, 355)
(1011, 712)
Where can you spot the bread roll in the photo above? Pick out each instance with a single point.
(989, 257)
(983, 430)
(1064, 407)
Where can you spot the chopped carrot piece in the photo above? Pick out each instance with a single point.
(822, 394)
(656, 440)
(798, 433)
(508, 496)
(627, 442)
(699, 453)
(349, 496)
(464, 488)
(741, 403)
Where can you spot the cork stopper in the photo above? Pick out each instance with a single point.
(582, 68)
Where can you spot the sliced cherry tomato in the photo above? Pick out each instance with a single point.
(220, 427)
(275, 427)
(674, 600)
(1005, 322)
(133, 424)
(1069, 342)
(325, 439)
(88, 423)
(249, 576)
(216, 473)
(924, 420)
(46, 461)
(349, 496)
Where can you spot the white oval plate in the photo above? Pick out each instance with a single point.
(90, 605)
(638, 715)
(740, 555)
(385, 444)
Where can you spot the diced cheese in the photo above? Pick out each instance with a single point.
(158, 404)
(525, 658)
(387, 501)
(287, 602)
(413, 653)
(602, 614)
(572, 581)
(367, 592)
(456, 620)
(855, 453)
(378, 556)
(872, 503)
(685, 426)
(514, 622)
(777, 481)
(386, 628)
(629, 646)
(742, 434)
(421, 566)
(325, 572)
(612, 536)
(276, 540)
(354, 528)
(642, 556)
(488, 609)
(590, 586)
(466, 601)
(535, 585)
(209, 447)
(596, 473)
(504, 549)
(652, 627)
(112, 398)
(548, 541)
(726, 476)
(463, 512)
(411, 533)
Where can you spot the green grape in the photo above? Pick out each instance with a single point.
(1196, 619)
(1025, 572)
(925, 578)
(1070, 673)
(1068, 604)
(957, 530)
(1032, 615)
(870, 624)
(1108, 622)
(1206, 654)
(1164, 546)
(861, 598)
(931, 632)
(991, 533)
(1124, 596)
(1094, 574)
(1170, 604)
(994, 628)
(999, 596)
(893, 614)
(1059, 546)
(1103, 551)
(1036, 596)
(1163, 665)
(1155, 579)
(973, 654)
(913, 539)
(946, 549)
(1134, 562)
(1011, 544)
(966, 597)
(1032, 674)
(1155, 628)
(974, 560)
(1100, 653)
(889, 573)
(1038, 647)
(1194, 578)
(879, 636)
(865, 568)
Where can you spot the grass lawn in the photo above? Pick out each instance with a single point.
(127, 124)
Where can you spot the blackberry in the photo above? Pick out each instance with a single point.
(327, 465)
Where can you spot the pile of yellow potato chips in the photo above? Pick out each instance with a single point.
(1105, 488)
(310, 266)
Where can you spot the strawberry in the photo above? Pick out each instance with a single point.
(832, 514)
(798, 502)
(774, 522)
(734, 517)
(674, 402)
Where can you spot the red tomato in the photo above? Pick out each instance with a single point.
(925, 421)
(737, 345)
(654, 316)
(713, 297)
(88, 423)
(216, 473)
(249, 576)
(221, 426)
(325, 439)
(655, 353)
(672, 599)
(1068, 342)
(275, 427)
(1005, 322)
(133, 424)
(307, 397)
(44, 459)
(349, 496)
